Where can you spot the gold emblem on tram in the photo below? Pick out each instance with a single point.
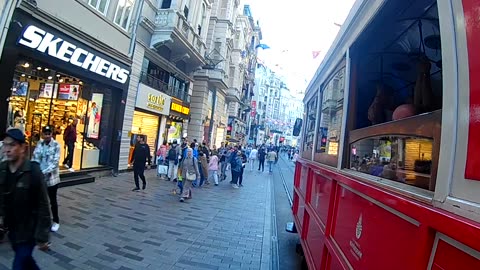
(359, 228)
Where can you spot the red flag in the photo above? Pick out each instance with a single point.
(315, 54)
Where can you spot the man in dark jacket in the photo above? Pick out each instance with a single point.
(23, 201)
(70, 137)
(141, 154)
(261, 158)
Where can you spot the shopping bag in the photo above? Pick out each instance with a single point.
(162, 170)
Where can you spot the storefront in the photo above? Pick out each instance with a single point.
(177, 120)
(152, 108)
(56, 80)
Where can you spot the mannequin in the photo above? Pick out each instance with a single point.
(19, 119)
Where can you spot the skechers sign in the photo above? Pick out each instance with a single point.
(42, 41)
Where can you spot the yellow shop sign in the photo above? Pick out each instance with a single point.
(179, 108)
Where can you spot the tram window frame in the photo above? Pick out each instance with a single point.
(323, 153)
(309, 126)
(424, 124)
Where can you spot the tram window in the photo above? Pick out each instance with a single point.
(329, 125)
(397, 89)
(402, 159)
(310, 126)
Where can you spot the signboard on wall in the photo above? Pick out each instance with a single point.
(153, 100)
(94, 116)
(68, 91)
(48, 90)
(180, 108)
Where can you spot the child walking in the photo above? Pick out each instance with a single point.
(213, 169)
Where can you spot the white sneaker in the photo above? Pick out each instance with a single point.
(71, 170)
(55, 227)
(234, 185)
(66, 166)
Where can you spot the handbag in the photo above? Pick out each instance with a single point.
(192, 176)
(162, 169)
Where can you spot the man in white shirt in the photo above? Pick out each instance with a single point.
(47, 154)
(253, 157)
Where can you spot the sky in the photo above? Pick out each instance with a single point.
(294, 31)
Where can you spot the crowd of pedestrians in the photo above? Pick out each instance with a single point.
(192, 165)
(28, 188)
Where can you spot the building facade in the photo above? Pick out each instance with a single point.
(208, 121)
(223, 86)
(68, 61)
(170, 44)
(242, 77)
(276, 108)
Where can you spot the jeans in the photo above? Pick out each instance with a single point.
(213, 174)
(235, 176)
(23, 257)
(172, 170)
(223, 170)
(52, 195)
(270, 165)
(202, 177)
(240, 176)
(138, 170)
(261, 163)
(252, 163)
(69, 158)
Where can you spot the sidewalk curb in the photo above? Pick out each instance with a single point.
(266, 260)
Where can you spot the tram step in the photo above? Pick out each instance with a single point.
(290, 227)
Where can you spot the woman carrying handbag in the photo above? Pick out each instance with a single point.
(190, 174)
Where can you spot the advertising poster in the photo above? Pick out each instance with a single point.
(94, 115)
(47, 90)
(19, 88)
(175, 132)
(68, 91)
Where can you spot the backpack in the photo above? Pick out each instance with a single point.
(172, 154)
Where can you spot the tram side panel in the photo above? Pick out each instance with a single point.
(341, 227)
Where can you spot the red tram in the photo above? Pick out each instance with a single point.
(389, 174)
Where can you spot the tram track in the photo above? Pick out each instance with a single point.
(284, 183)
(284, 243)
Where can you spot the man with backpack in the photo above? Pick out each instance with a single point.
(23, 201)
(173, 158)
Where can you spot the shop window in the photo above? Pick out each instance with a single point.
(147, 125)
(396, 95)
(123, 13)
(43, 96)
(329, 128)
(100, 5)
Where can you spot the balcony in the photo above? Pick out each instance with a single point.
(216, 77)
(161, 86)
(173, 31)
(233, 95)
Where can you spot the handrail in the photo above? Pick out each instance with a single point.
(162, 86)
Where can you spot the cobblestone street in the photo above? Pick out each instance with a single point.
(104, 225)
